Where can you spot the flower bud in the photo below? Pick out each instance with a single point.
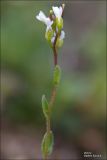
(49, 34)
(59, 43)
(63, 6)
(59, 23)
(51, 11)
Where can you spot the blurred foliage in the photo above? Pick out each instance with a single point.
(22, 55)
(82, 97)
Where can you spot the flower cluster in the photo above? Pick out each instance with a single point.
(54, 25)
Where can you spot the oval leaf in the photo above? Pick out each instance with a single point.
(45, 106)
(47, 144)
(57, 74)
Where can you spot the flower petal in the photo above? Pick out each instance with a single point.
(57, 11)
(46, 20)
(49, 23)
(53, 39)
(62, 36)
(41, 16)
(60, 8)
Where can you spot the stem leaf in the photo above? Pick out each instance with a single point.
(47, 144)
(57, 75)
(45, 106)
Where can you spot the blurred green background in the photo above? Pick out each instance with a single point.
(79, 113)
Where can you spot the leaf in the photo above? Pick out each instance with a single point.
(45, 106)
(57, 75)
(47, 144)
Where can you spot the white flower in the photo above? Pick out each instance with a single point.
(57, 11)
(62, 36)
(46, 20)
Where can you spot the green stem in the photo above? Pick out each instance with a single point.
(52, 98)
